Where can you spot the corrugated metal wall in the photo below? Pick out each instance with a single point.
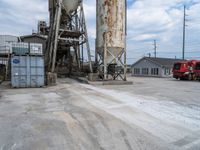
(8, 38)
(27, 71)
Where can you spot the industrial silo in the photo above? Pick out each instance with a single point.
(71, 5)
(67, 37)
(111, 32)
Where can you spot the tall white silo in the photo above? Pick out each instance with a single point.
(111, 32)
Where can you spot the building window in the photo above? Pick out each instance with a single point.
(167, 71)
(145, 71)
(154, 71)
(198, 66)
(137, 71)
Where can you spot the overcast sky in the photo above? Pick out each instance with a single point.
(161, 20)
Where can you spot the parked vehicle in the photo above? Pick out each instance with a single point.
(184, 70)
(197, 71)
(180, 70)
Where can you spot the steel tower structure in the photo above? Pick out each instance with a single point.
(67, 36)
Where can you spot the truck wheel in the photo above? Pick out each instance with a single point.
(189, 77)
(195, 78)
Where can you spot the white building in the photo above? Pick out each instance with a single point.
(153, 67)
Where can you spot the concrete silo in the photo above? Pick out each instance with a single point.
(67, 36)
(111, 37)
(71, 5)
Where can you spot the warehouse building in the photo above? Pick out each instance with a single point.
(8, 39)
(5, 55)
(11, 46)
(153, 67)
(35, 38)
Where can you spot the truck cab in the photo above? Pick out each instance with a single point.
(197, 71)
(187, 70)
(182, 70)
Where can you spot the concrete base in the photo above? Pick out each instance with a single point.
(108, 82)
(74, 116)
(93, 76)
(51, 79)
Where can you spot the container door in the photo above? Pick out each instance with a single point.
(36, 71)
(20, 71)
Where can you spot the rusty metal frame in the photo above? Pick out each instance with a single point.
(121, 59)
(77, 22)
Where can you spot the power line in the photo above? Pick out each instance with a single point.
(195, 23)
(137, 52)
(177, 52)
(193, 57)
(137, 49)
(193, 42)
(192, 52)
(132, 58)
(193, 46)
(195, 19)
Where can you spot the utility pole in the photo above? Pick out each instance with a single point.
(149, 55)
(184, 26)
(155, 48)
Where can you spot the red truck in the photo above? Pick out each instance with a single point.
(185, 70)
(197, 71)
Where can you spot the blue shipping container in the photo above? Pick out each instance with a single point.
(27, 71)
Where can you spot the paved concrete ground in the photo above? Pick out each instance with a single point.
(152, 113)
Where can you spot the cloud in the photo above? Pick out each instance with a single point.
(20, 17)
(163, 21)
(147, 20)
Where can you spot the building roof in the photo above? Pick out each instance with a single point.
(163, 62)
(34, 35)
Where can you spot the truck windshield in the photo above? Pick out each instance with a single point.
(177, 66)
(198, 66)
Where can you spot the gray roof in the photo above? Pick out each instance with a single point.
(34, 35)
(164, 62)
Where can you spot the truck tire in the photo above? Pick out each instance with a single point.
(195, 78)
(190, 77)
